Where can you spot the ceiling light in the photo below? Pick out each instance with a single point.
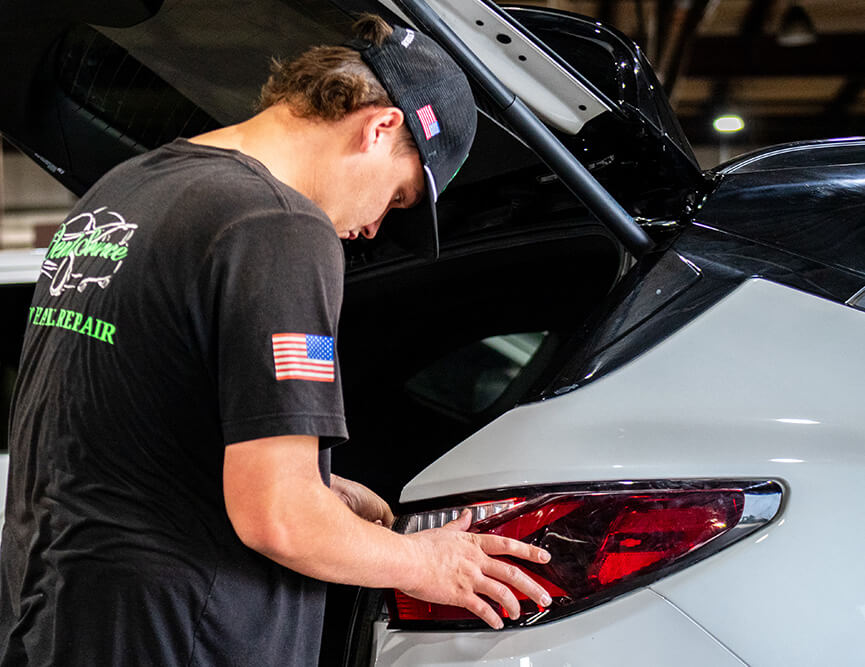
(729, 123)
(796, 28)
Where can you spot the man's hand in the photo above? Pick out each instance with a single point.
(279, 506)
(362, 501)
(457, 568)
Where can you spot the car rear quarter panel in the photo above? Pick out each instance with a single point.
(768, 383)
(596, 637)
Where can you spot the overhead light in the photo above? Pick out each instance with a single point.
(729, 123)
(796, 28)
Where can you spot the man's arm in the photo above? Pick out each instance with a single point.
(279, 507)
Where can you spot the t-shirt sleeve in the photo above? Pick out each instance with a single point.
(270, 293)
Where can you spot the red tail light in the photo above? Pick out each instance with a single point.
(603, 543)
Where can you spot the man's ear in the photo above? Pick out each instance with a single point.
(382, 126)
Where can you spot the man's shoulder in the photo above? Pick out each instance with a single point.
(195, 196)
(204, 168)
(233, 176)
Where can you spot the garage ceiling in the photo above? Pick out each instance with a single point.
(719, 56)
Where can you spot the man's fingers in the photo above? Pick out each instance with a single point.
(497, 581)
(510, 574)
(496, 590)
(496, 545)
(462, 522)
(484, 612)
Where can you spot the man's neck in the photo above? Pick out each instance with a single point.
(299, 152)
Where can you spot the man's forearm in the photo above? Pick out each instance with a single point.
(280, 507)
(290, 516)
(319, 536)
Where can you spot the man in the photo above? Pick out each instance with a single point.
(169, 500)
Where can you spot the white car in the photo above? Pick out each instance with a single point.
(670, 406)
(690, 457)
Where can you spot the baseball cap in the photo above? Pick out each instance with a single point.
(435, 97)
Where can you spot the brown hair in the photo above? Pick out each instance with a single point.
(329, 82)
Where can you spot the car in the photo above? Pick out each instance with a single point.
(677, 422)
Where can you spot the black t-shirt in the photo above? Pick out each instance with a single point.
(189, 302)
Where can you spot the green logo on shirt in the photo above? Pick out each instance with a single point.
(88, 249)
(63, 318)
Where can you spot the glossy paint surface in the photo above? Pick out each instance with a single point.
(642, 628)
(663, 293)
(806, 199)
(767, 383)
(20, 266)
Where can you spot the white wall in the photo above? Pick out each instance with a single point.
(30, 198)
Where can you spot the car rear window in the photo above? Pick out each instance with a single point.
(469, 380)
(108, 82)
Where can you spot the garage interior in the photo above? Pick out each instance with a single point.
(789, 70)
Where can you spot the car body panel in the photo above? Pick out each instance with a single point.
(765, 384)
(641, 628)
(553, 93)
(20, 266)
(798, 584)
(714, 399)
(807, 199)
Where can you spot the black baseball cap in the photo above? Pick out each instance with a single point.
(435, 97)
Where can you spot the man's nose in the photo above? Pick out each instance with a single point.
(369, 231)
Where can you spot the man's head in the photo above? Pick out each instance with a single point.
(330, 82)
(399, 90)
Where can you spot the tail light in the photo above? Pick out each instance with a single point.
(604, 541)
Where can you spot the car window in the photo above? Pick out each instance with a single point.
(470, 379)
(108, 82)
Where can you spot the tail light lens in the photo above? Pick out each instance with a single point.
(604, 541)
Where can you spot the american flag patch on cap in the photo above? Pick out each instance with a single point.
(429, 121)
(298, 356)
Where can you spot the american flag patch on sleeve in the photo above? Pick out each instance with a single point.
(298, 356)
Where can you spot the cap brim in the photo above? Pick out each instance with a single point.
(416, 229)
